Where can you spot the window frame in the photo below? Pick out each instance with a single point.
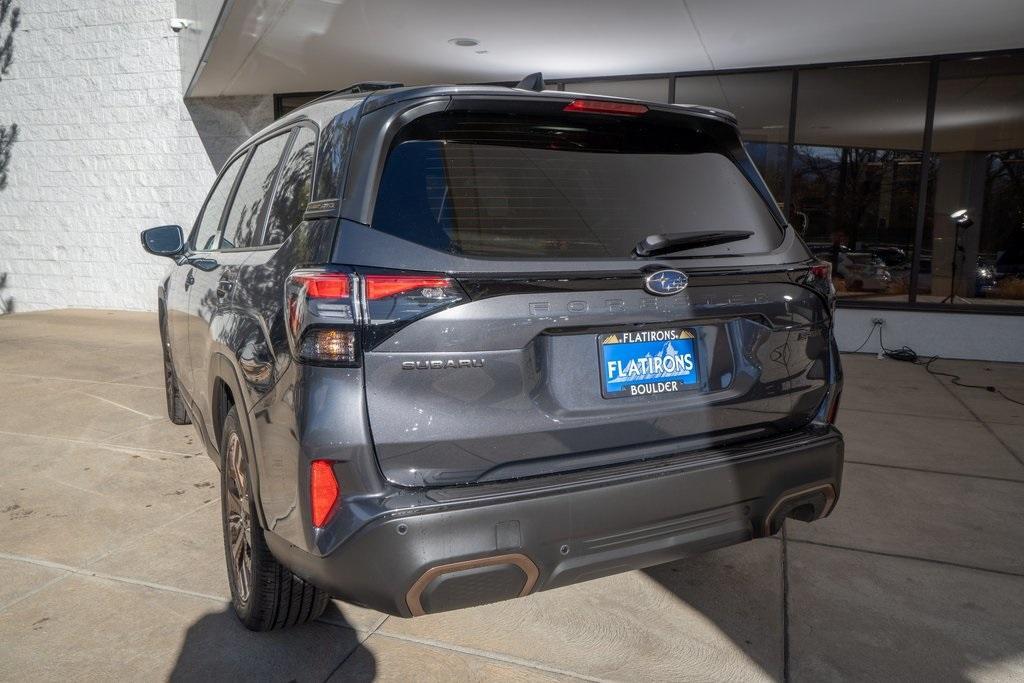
(288, 130)
(194, 233)
(247, 151)
(305, 123)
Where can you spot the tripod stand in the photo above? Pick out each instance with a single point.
(961, 222)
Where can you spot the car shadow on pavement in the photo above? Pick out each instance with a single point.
(738, 592)
(218, 647)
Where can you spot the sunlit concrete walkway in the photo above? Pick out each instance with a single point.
(111, 559)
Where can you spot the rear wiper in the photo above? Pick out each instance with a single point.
(668, 242)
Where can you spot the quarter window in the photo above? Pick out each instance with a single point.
(208, 233)
(242, 228)
(293, 188)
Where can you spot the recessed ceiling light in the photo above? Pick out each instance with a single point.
(464, 42)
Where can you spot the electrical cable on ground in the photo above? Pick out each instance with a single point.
(908, 355)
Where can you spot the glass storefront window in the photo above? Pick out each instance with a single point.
(978, 148)
(290, 102)
(857, 166)
(856, 173)
(650, 89)
(760, 102)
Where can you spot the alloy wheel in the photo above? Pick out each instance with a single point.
(239, 526)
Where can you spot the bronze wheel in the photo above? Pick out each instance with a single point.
(239, 519)
(265, 594)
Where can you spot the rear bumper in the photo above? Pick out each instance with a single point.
(479, 545)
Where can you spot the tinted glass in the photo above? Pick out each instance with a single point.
(293, 188)
(760, 102)
(978, 147)
(856, 172)
(243, 224)
(569, 185)
(207, 234)
(334, 149)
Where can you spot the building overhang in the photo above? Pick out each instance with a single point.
(237, 47)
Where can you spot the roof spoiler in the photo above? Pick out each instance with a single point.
(534, 82)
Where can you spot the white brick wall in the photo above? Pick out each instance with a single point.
(106, 147)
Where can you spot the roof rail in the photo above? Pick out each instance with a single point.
(368, 86)
(365, 86)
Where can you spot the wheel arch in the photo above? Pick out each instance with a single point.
(226, 391)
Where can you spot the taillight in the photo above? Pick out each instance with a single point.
(393, 301)
(822, 270)
(331, 316)
(323, 491)
(605, 107)
(819, 276)
(384, 286)
(321, 317)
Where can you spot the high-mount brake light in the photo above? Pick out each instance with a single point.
(323, 491)
(605, 107)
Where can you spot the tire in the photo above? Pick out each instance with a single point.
(175, 403)
(265, 595)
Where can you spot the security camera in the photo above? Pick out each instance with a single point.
(178, 24)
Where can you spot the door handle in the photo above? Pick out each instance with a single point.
(224, 288)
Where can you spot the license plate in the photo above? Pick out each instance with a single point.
(642, 363)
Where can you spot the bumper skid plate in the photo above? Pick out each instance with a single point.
(486, 549)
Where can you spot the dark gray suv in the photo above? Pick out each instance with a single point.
(455, 344)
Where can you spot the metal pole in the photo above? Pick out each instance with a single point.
(922, 185)
(787, 192)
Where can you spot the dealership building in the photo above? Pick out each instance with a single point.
(871, 122)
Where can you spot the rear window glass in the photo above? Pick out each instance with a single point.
(242, 228)
(569, 185)
(293, 188)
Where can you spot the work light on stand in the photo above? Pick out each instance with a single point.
(961, 222)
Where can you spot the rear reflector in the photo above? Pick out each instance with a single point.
(604, 107)
(323, 491)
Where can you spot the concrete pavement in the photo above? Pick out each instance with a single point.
(111, 563)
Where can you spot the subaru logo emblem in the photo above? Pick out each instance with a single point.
(666, 282)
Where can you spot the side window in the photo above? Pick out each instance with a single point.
(293, 188)
(242, 228)
(207, 233)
